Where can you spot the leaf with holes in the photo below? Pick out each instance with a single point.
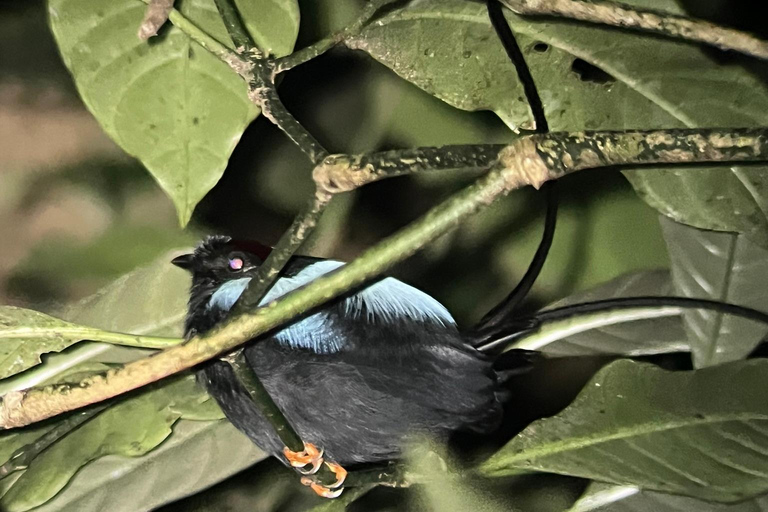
(718, 266)
(149, 301)
(167, 101)
(636, 338)
(617, 498)
(590, 77)
(701, 433)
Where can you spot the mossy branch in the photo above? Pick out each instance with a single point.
(530, 160)
(625, 16)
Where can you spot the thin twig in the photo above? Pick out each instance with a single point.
(263, 92)
(320, 47)
(625, 16)
(530, 160)
(289, 243)
(234, 26)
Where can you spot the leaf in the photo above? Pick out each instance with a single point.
(25, 335)
(699, 433)
(719, 266)
(168, 102)
(131, 428)
(197, 455)
(148, 301)
(591, 77)
(641, 337)
(614, 498)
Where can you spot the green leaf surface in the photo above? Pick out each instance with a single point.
(698, 433)
(167, 101)
(719, 266)
(130, 428)
(25, 335)
(149, 301)
(615, 498)
(591, 77)
(637, 338)
(197, 455)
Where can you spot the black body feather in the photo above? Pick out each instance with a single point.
(390, 379)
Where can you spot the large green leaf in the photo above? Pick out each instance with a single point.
(148, 301)
(616, 498)
(646, 82)
(719, 266)
(195, 456)
(636, 338)
(168, 102)
(130, 428)
(25, 335)
(698, 433)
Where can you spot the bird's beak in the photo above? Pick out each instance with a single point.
(184, 261)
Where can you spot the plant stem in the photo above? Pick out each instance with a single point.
(320, 47)
(625, 16)
(91, 334)
(288, 244)
(530, 160)
(235, 28)
(342, 173)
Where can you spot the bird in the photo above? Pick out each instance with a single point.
(357, 378)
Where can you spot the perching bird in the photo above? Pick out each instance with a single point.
(359, 376)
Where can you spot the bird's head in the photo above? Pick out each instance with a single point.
(219, 258)
(221, 269)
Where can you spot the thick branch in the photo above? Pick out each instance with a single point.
(342, 173)
(529, 160)
(620, 15)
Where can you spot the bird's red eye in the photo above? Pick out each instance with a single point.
(235, 263)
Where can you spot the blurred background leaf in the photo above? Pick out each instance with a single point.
(718, 266)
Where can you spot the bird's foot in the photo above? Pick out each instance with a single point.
(333, 490)
(312, 456)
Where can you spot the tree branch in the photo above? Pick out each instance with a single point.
(530, 160)
(620, 15)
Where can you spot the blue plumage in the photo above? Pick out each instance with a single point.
(384, 301)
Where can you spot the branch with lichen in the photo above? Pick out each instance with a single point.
(625, 16)
(530, 160)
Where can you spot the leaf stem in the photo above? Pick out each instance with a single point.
(320, 47)
(91, 334)
(530, 160)
(625, 16)
(234, 25)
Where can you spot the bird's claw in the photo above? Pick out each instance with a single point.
(333, 490)
(311, 456)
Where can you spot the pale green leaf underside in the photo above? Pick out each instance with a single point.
(657, 83)
(700, 433)
(167, 101)
(637, 338)
(148, 301)
(130, 428)
(614, 498)
(718, 266)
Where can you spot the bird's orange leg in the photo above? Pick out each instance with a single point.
(311, 456)
(333, 490)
